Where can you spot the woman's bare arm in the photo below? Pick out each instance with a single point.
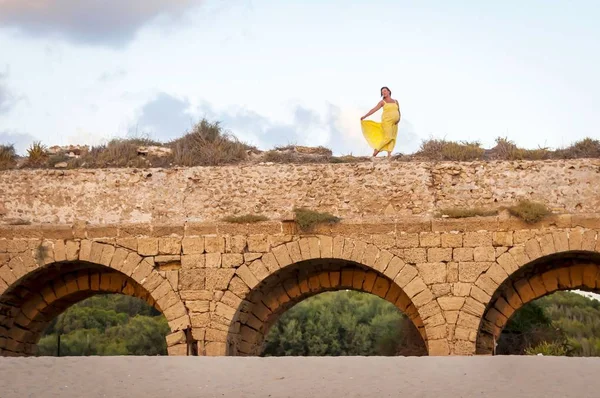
(372, 111)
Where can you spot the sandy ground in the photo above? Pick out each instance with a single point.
(300, 377)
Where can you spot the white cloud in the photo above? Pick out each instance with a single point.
(112, 22)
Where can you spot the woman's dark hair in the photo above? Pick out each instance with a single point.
(387, 88)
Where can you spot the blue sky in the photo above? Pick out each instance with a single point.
(279, 72)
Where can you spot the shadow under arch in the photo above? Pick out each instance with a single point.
(567, 270)
(29, 304)
(280, 291)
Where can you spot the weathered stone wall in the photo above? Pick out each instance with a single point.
(221, 286)
(352, 191)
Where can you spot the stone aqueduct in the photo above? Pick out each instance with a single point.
(222, 285)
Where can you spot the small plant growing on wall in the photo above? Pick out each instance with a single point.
(530, 212)
(308, 219)
(246, 219)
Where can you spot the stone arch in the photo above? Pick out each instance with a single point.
(491, 278)
(266, 286)
(42, 280)
(541, 277)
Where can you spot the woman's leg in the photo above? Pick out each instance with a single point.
(375, 152)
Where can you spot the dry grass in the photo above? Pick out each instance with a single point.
(348, 159)
(121, 152)
(275, 156)
(507, 150)
(530, 212)
(308, 219)
(443, 150)
(586, 148)
(8, 157)
(208, 145)
(246, 219)
(464, 212)
(37, 155)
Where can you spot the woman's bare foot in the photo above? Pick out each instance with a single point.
(389, 156)
(375, 153)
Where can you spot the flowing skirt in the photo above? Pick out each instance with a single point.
(382, 136)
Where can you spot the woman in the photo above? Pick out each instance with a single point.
(382, 136)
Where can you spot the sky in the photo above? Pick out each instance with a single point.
(299, 71)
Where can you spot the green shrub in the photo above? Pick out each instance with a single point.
(548, 349)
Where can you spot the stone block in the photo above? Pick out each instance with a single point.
(169, 246)
(394, 268)
(406, 275)
(473, 307)
(282, 255)
(475, 239)
(533, 249)
(193, 261)
(384, 241)
(258, 243)
(525, 291)
(497, 273)
(432, 272)
(550, 280)
(479, 295)
(259, 270)
(588, 241)
(451, 303)
(177, 350)
(193, 245)
(326, 245)
(270, 262)
(368, 283)
(463, 254)
(381, 287)
(214, 244)
(590, 273)
(147, 246)
(72, 250)
(218, 279)
(439, 347)
(576, 274)
(247, 276)
(451, 317)
(508, 263)
(235, 244)
(470, 271)
(414, 256)
(502, 238)
(415, 287)
(383, 260)
(423, 298)
(504, 308)
(452, 272)
(460, 289)
(436, 255)
(452, 240)
(212, 260)
(430, 239)
(484, 253)
(407, 240)
(370, 255)
(175, 338)
(192, 279)
(231, 260)
(536, 283)
(487, 284)
(338, 246)
(561, 241)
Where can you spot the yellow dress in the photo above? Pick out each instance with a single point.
(382, 136)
